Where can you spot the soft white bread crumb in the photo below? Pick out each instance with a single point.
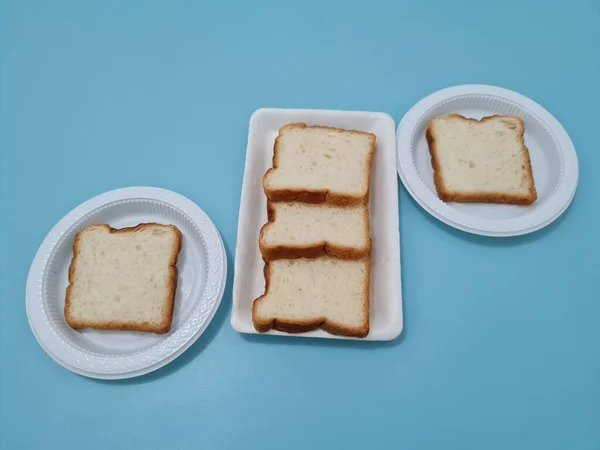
(481, 161)
(123, 279)
(320, 164)
(304, 294)
(307, 230)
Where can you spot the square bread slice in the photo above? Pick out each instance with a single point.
(302, 230)
(306, 294)
(123, 279)
(315, 164)
(482, 161)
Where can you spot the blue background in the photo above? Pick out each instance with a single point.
(501, 346)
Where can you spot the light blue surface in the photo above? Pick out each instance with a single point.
(501, 345)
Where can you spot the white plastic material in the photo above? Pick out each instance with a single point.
(249, 282)
(553, 160)
(202, 267)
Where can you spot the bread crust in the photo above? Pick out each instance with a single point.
(317, 196)
(303, 326)
(318, 249)
(161, 328)
(473, 197)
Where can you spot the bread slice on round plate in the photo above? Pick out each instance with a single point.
(123, 279)
(481, 161)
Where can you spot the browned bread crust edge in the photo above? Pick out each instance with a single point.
(473, 197)
(318, 249)
(316, 195)
(316, 323)
(161, 328)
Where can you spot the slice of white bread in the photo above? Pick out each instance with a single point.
(482, 161)
(302, 230)
(306, 294)
(123, 279)
(320, 165)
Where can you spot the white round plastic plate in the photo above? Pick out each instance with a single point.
(202, 267)
(553, 159)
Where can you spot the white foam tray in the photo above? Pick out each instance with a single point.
(249, 283)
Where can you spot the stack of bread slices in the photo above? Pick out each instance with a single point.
(316, 244)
